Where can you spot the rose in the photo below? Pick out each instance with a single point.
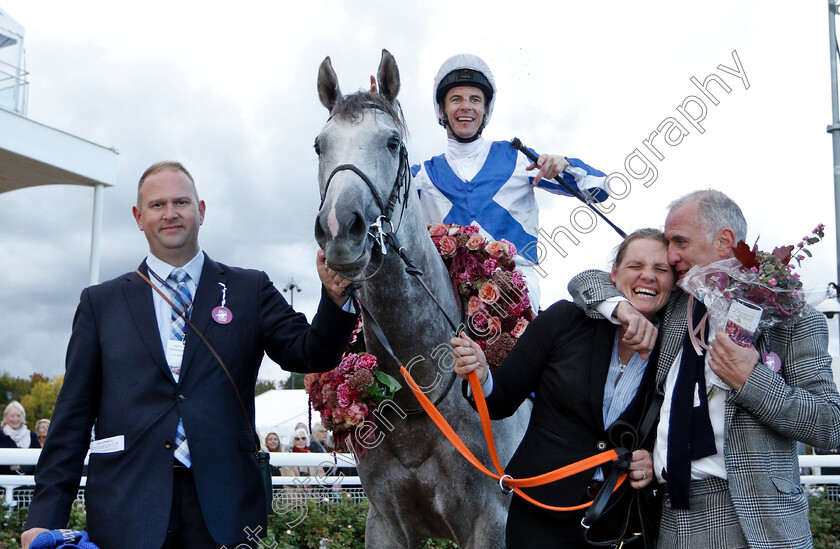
(497, 248)
(438, 229)
(519, 328)
(356, 413)
(488, 293)
(448, 246)
(454, 229)
(475, 305)
(475, 242)
(494, 248)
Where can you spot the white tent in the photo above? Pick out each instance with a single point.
(278, 411)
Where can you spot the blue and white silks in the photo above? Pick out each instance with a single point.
(486, 183)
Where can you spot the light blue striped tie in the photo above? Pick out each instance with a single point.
(182, 298)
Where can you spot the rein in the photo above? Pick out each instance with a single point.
(506, 482)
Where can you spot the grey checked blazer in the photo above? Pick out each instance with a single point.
(764, 419)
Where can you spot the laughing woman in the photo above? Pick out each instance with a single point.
(590, 389)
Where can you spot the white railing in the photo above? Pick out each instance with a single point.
(18, 488)
(13, 485)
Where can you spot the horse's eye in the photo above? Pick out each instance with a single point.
(317, 148)
(393, 143)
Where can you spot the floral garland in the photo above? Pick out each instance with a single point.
(346, 396)
(484, 274)
(498, 311)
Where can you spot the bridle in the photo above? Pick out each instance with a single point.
(399, 192)
(384, 236)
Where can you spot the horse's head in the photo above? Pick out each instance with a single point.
(363, 168)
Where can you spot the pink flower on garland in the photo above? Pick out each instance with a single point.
(475, 242)
(519, 329)
(488, 293)
(447, 246)
(438, 229)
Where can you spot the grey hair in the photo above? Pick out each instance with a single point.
(16, 406)
(716, 212)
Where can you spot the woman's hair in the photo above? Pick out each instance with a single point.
(300, 433)
(650, 234)
(275, 435)
(17, 405)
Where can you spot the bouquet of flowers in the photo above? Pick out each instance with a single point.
(347, 395)
(485, 276)
(764, 280)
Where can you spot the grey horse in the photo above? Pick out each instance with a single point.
(418, 485)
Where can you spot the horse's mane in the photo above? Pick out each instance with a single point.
(351, 107)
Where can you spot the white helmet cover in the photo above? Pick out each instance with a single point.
(463, 61)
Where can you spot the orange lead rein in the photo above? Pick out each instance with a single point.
(514, 484)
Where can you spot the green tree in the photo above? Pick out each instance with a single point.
(13, 388)
(295, 381)
(40, 402)
(264, 385)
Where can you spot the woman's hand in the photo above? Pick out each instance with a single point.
(468, 357)
(641, 469)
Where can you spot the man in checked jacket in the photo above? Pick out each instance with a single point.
(733, 479)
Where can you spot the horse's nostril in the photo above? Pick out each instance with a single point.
(320, 233)
(358, 228)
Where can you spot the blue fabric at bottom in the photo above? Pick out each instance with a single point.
(65, 539)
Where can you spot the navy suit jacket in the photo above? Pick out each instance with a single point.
(117, 377)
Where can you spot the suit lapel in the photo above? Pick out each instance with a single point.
(674, 326)
(599, 369)
(207, 296)
(138, 295)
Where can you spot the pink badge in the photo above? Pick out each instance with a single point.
(222, 315)
(772, 361)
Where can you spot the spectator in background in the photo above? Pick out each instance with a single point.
(14, 427)
(293, 495)
(41, 428)
(272, 443)
(323, 437)
(314, 445)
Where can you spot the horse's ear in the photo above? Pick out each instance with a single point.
(328, 90)
(388, 76)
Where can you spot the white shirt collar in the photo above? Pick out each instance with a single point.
(163, 269)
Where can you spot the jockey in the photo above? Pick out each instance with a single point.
(490, 183)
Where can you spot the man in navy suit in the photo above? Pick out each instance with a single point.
(173, 463)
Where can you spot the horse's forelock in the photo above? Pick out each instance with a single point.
(350, 107)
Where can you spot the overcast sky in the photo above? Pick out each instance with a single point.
(231, 93)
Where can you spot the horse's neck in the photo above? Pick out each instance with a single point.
(415, 326)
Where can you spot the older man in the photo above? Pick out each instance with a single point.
(727, 450)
